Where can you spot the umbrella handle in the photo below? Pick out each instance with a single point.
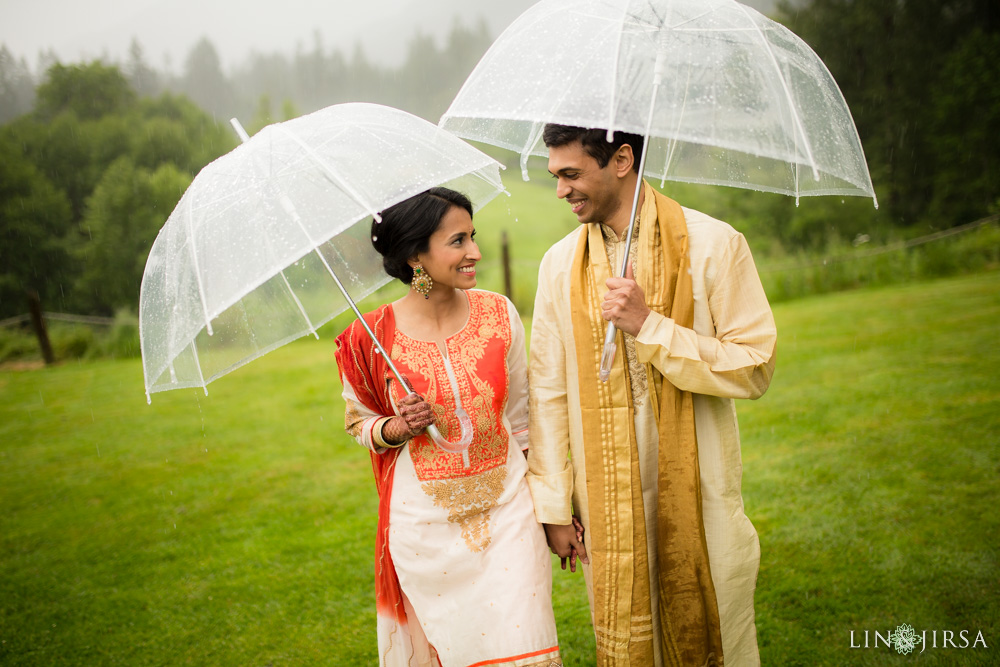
(465, 423)
(462, 446)
(432, 431)
(608, 356)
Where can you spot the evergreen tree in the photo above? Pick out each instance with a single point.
(35, 234)
(124, 214)
(89, 91)
(204, 82)
(17, 86)
(143, 78)
(86, 181)
(898, 64)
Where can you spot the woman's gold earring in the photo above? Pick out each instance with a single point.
(421, 281)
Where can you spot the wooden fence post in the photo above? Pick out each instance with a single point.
(505, 254)
(38, 323)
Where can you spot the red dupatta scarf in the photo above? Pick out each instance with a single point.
(367, 371)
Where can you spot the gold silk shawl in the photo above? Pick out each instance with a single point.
(689, 615)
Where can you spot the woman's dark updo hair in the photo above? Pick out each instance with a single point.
(406, 228)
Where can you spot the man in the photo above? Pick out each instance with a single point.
(654, 473)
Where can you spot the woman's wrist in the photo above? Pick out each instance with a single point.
(392, 432)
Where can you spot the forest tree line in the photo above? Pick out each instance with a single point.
(94, 156)
(310, 79)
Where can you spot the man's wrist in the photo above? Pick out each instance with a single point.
(643, 322)
(651, 322)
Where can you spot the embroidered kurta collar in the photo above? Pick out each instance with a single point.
(611, 237)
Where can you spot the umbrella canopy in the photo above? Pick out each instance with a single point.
(251, 257)
(724, 95)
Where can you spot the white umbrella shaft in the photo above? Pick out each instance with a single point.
(432, 430)
(244, 137)
(610, 346)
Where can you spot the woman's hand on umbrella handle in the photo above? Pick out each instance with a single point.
(416, 413)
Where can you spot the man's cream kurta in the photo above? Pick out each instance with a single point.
(729, 354)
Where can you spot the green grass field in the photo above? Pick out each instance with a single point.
(237, 529)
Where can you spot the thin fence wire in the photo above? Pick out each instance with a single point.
(59, 317)
(526, 263)
(891, 247)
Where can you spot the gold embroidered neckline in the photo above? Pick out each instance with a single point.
(465, 325)
(637, 371)
(611, 236)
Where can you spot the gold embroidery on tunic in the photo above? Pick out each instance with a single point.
(469, 501)
(484, 393)
(353, 420)
(636, 371)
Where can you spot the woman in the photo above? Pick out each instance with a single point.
(462, 572)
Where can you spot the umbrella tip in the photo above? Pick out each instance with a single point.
(244, 137)
(149, 399)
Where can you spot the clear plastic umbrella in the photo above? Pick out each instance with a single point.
(271, 240)
(723, 95)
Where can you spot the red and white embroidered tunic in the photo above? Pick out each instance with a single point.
(470, 557)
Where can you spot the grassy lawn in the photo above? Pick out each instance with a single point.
(237, 528)
(871, 472)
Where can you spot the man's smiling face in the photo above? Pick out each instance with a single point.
(592, 192)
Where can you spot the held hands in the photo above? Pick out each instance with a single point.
(415, 415)
(567, 542)
(625, 304)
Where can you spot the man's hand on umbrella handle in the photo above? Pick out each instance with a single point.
(415, 415)
(567, 543)
(625, 305)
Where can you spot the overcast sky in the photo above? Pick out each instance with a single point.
(85, 29)
(167, 29)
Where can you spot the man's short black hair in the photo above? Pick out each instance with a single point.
(595, 142)
(406, 228)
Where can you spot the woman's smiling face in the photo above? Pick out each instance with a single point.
(452, 253)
